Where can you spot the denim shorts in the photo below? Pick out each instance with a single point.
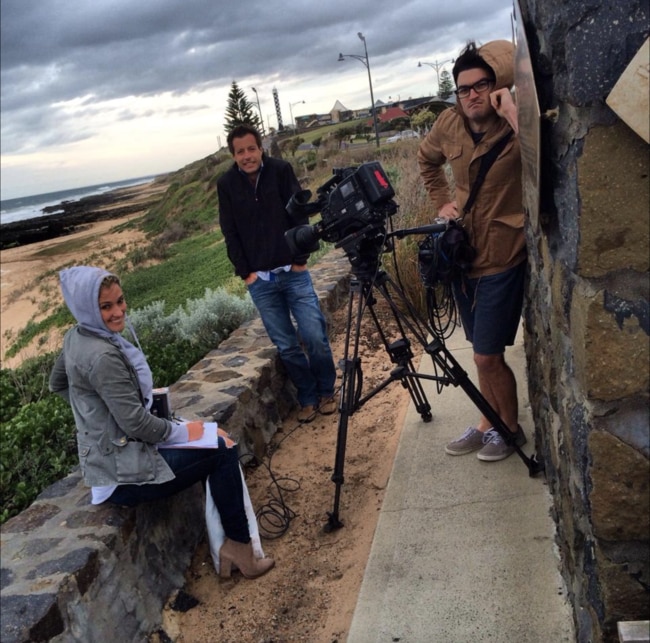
(490, 309)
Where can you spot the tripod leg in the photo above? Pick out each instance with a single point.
(458, 377)
(400, 353)
(454, 373)
(348, 396)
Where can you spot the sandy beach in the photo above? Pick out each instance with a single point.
(28, 273)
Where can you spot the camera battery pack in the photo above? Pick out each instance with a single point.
(375, 183)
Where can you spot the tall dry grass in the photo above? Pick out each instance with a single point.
(415, 209)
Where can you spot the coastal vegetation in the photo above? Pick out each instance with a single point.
(183, 299)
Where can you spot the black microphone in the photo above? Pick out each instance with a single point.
(425, 229)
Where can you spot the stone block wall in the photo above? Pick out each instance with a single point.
(73, 572)
(76, 573)
(587, 312)
(220, 387)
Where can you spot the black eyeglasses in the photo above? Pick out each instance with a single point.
(479, 87)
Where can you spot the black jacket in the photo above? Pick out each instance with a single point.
(254, 220)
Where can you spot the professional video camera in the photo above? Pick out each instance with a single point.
(354, 204)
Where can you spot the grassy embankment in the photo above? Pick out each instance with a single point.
(183, 255)
(185, 252)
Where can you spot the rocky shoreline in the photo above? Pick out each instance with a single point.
(70, 216)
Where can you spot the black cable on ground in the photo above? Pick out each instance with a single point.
(274, 517)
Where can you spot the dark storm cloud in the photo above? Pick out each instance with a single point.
(57, 51)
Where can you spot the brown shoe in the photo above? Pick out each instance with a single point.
(327, 406)
(306, 414)
(241, 555)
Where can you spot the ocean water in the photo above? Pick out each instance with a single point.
(28, 207)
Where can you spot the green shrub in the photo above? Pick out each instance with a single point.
(25, 384)
(37, 448)
(10, 401)
(209, 320)
(175, 342)
(151, 324)
(169, 362)
(137, 256)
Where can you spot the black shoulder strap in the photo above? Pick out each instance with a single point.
(486, 163)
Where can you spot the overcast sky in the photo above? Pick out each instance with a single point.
(103, 90)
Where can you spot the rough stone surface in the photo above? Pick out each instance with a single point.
(61, 578)
(74, 572)
(587, 312)
(614, 188)
(620, 479)
(611, 359)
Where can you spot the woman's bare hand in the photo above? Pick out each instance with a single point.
(194, 431)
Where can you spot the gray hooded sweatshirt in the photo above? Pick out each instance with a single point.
(108, 384)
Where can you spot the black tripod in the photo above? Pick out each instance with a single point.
(368, 279)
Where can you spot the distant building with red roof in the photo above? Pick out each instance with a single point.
(385, 112)
(391, 113)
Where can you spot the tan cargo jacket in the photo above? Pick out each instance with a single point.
(496, 221)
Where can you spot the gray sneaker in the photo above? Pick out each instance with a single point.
(471, 440)
(495, 447)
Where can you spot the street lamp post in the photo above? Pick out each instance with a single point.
(437, 66)
(259, 109)
(298, 102)
(364, 59)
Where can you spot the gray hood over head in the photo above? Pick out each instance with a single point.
(80, 287)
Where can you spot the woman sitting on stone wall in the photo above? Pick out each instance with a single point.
(109, 385)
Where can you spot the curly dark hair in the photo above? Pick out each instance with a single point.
(470, 58)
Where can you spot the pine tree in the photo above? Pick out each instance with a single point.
(240, 110)
(446, 88)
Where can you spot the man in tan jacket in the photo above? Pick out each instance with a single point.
(490, 297)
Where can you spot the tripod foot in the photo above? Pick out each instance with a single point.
(534, 466)
(332, 524)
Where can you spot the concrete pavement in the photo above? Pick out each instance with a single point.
(464, 550)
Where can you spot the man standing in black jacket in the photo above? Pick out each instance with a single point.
(253, 196)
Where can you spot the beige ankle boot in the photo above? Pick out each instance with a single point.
(241, 555)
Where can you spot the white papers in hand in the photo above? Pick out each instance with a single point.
(208, 441)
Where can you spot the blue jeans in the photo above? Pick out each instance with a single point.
(292, 293)
(220, 467)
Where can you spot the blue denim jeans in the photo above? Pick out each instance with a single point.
(220, 467)
(292, 293)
